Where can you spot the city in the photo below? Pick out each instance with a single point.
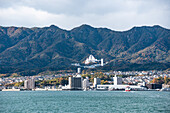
(115, 80)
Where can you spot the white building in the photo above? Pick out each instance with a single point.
(96, 82)
(117, 80)
(91, 59)
(29, 84)
(75, 83)
(26, 84)
(78, 70)
(119, 87)
(85, 83)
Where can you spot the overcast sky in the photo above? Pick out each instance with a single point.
(67, 14)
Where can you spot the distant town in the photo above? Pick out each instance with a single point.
(115, 80)
(86, 81)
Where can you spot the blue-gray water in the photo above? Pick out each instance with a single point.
(84, 101)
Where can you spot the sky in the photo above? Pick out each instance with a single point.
(113, 14)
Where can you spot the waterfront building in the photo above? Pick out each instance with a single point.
(96, 82)
(117, 80)
(26, 84)
(85, 83)
(29, 84)
(119, 87)
(75, 83)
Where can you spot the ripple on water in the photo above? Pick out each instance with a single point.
(81, 101)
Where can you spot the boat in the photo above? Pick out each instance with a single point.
(127, 89)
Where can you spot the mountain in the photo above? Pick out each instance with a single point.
(52, 48)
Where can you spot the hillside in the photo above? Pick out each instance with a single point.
(51, 48)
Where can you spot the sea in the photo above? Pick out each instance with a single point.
(84, 102)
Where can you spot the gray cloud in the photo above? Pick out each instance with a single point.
(113, 14)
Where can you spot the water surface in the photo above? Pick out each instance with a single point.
(84, 101)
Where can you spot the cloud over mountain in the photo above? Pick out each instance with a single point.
(113, 14)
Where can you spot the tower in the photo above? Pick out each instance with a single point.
(96, 82)
(78, 70)
(117, 80)
(102, 62)
(75, 83)
(29, 84)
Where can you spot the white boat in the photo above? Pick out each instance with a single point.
(127, 89)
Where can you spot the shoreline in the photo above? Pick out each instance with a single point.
(11, 90)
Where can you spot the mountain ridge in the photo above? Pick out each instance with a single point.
(52, 47)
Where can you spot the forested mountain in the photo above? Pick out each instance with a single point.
(52, 48)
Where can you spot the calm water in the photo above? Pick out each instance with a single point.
(84, 101)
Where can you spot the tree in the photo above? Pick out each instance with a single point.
(154, 80)
(19, 84)
(165, 80)
(102, 82)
